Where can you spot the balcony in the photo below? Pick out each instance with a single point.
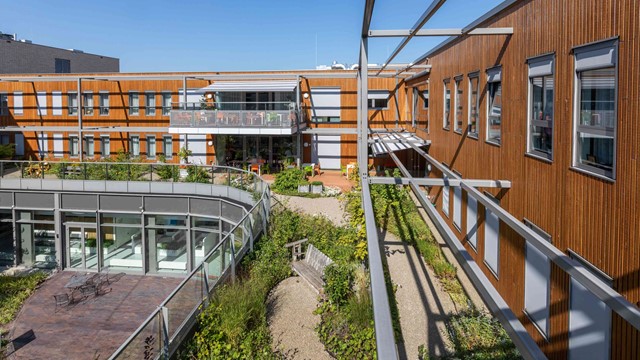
(273, 118)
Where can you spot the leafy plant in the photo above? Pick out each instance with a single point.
(15, 290)
(316, 183)
(184, 154)
(288, 180)
(167, 172)
(339, 280)
(7, 151)
(197, 174)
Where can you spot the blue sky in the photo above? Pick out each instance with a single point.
(228, 35)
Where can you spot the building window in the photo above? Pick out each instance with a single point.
(445, 198)
(378, 99)
(537, 273)
(41, 98)
(72, 103)
(595, 115)
(134, 103)
(459, 97)
(325, 119)
(474, 105)
(166, 103)
(105, 146)
(63, 66)
(541, 84)
(492, 239)
(87, 103)
(472, 221)
(150, 109)
(89, 145)
(104, 103)
(494, 106)
(457, 207)
(134, 145)
(73, 145)
(17, 103)
(151, 146)
(446, 120)
(4, 105)
(167, 145)
(56, 102)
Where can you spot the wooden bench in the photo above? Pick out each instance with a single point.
(311, 268)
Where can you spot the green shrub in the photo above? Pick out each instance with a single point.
(339, 280)
(14, 291)
(288, 180)
(316, 183)
(167, 172)
(197, 174)
(7, 151)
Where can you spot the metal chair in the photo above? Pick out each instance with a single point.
(101, 288)
(61, 300)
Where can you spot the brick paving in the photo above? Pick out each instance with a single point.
(328, 178)
(91, 329)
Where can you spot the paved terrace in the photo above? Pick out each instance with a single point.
(92, 329)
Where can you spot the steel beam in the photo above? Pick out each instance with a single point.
(80, 109)
(385, 341)
(366, 20)
(428, 13)
(441, 32)
(501, 184)
(330, 131)
(363, 126)
(618, 303)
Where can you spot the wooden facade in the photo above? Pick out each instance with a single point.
(596, 218)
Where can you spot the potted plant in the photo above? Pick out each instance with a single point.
(184, 154)
(303, 187)
(316, 187)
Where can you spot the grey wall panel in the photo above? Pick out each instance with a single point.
(11, 183)
(138, 187)
(120, 202)
(79, 202)
(203, 189)
(117, 186)
(161, 187)
(52, 184)
(220, 190)
(31, 184)
(35, 200)
(95, 185)
(184, 188)
(232, 212)
(6, 199)
(234, 193)
(166, 204)
(205, 207)
(73, 185)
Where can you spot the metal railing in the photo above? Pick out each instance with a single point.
(244, 114)
(161, 334)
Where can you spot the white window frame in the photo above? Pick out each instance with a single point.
(72, 110)
(87, 103)
(103, 99)
(167, 145)
(490, 218)
(374, 95)
(457, 116)
(446, 110)
(73, 139)
(540, 67)
(457, 208)
(166, 110)
(131, 145)
(594, 56)
(105, 146)
(18, 103)
(89, 146)
(494, 76)
(149, 109)
(471, 77)
(472, 221)
(446, 193)
(41, 99)
(151, 153)
(56, 103)
(134, 110)
(532, 293)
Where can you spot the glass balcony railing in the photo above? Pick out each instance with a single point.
(269, 115)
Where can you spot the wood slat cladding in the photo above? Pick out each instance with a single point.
(598, 219)
(119, 108)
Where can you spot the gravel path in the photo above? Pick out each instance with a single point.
(292, 322)
(331, 207)
(422, 303)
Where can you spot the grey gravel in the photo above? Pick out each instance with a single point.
(292, 321)
(331, 207)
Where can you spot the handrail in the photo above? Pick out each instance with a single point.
(262, 202)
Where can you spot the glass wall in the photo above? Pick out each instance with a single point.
(205, 235)
(7, 248)
(167, 243)
(36, 235)
(122, 242)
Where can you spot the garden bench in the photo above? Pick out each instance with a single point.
(311, 268)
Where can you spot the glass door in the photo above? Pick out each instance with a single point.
(82, 246)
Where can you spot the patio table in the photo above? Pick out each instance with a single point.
(78, 281)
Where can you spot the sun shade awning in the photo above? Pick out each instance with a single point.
(395, 142)
(252, 86)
